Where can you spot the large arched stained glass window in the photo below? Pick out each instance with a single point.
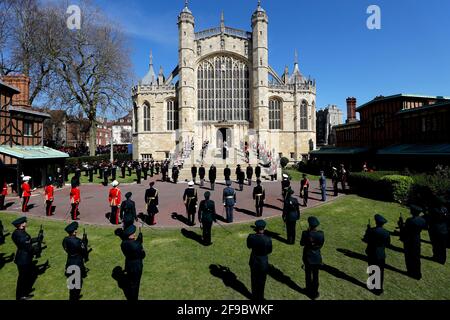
(147, 119)
(304, 116)
(172, 115)
(223, 89)
(274, 114)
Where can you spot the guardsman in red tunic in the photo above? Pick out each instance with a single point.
(49, 197)
(75, 201)
(3, 194)
(26, 193)
(115, 198)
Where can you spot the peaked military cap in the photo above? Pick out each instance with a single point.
(260, 224)
(379, 219)
(72, 227)
(207, 194)
(129, 231)
(128, 195)
(313, 222)
(19, 221)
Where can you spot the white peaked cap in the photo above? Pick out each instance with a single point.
(285, 176)
(191, 183)
(26, 178)
(115, 183)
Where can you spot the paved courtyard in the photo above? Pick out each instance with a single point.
(94, 201)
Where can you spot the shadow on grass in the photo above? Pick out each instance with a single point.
(193, 236)
(118, 274)
(364, 258)
(342, 275)
(229, 279)
(396, 233)
(401, 250)
(279, 276)
(275, 236)
(245, 211)
(5, 259)
(180, 218)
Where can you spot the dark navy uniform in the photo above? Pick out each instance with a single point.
(76, 253)
(194, 173)
(212, 175)
(285, 185)
(258, 172)
(138, 173)
(175, 173)
(291, 214)
(201, 175)
(437, 228)
(227, 173)
(249, 172)
(206, 216)
(241, 178)
(261, 246)
(128, 211)
(410, 236)
(229, 200)
(152, 201)
(145, 169)
(259, 195)
(134, 254)
(312, 241)
(190, 200)
(377, 240)
(152, 169)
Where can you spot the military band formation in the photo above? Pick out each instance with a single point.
(435, 219)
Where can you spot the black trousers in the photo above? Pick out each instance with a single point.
(207, 232)
(290, 231)
(439, 242)
(123, 173)
(2, 202)
(191, 217)
(413, 263)
(48, 207)
(258, 278)
(25, 280)
(312, 278)
(145, 174)
(259, 211)
(305, 197)
(74, 213)
(133, 284)
(212, 185)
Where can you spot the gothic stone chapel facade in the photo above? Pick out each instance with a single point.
(224, 95)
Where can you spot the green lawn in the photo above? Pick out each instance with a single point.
(297, 175)
(97, 180)
(179, 268)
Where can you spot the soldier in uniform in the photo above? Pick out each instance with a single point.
(134, 253)
(130, 167)
(227, 174)
(145, 169)
(128, 211)
(312, 240)
(201, 175)
(152, 168)
(335, 180)
(238, 171)
(194, 172)
(241, 178)
(138, 172)
(291, 214)
(212, 175)
(91, 173)
(3, 194)
(152, 201)
(113, 170)
(410, 236)
(49, 197)
(59, 178)
(285, 186)
(259, 195)
(258, 172)
(206, 217)
(304, 189)
(76, 256)
(343, 177)
(249, 172)
(157, 166)
(261, 246)
(26, 193)
(23, 259)
(106, 172)
(114, 199)
(229, 201)
(190, 201)
(122, 168)
(323, 186)
(437, 228)
(75, 201)
(377, 240)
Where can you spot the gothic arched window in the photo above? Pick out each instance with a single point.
(147, 119)
(223, 89)
(136, 119)
(304, 116)
(172, 115)
(274, 114)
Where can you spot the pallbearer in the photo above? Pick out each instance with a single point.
(206, 217)
(152, 201)
(76, 254)
(190, 201)
(114, 198)
(75, 201)
(49, 197)
(259, 195)
(212, 175)
(134, 253)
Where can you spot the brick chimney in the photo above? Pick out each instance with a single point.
(22, 83)
(351, 110)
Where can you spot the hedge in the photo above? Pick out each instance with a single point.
(104, 157)
(397, 188)
(369, 184)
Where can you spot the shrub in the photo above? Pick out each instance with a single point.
(369, 184)
(284, 162)
(396, 187)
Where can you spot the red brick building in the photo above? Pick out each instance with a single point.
(394, 132)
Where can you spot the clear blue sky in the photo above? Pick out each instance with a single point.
(410, 54)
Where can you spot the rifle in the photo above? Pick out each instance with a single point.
(140, 237)
(85, 242)
(38, 242)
